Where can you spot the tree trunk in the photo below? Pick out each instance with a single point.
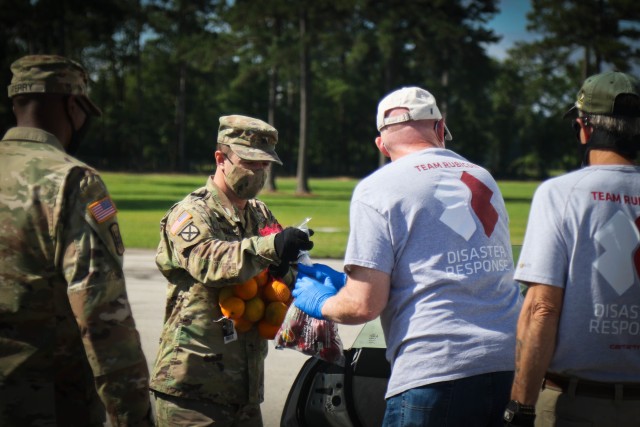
(302, 186)
(387, 76)
(443, 105)
(273, 85)
(139, 85)
(599, 30)
(178, 161)
(586, 66)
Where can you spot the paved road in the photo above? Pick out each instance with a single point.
(146, 289)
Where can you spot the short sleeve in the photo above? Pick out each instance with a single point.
(544, 257)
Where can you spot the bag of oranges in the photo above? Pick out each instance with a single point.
(311, 336)
(262, 301)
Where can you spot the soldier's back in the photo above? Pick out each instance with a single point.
(45, 378)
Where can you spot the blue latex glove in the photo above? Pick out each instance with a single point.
(323, 273)
(309, 295)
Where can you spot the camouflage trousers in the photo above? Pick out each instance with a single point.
(172, 411)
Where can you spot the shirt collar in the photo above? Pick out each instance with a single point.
(33, 135)
(230, 211)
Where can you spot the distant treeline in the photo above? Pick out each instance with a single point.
(163, 71)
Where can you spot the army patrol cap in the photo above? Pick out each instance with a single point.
(599, 92)
(51, 74)
(251, 139)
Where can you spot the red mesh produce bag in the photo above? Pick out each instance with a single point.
(311, 336)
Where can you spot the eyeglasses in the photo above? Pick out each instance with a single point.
(576, 125)
(226, 156)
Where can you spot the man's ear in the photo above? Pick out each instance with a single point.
(587, 130)
(219, 157)
(382, 147)
(440, 125)
(72, 109)
(71, 104)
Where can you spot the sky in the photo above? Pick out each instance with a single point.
(511, 24)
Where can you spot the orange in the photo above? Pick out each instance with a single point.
(267, 330)
(232, 307)
(253, 309)
(242, 325)
(260, 293)
(275, 312)
(288, 336)
(246, 290)
(276, 291)
(262, 278)
(225, 293)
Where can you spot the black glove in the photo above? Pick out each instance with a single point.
(289, 242)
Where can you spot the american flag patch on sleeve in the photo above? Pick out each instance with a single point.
(102, 210)
(180, 222)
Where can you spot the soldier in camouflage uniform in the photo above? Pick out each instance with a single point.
(68, 343)
(219, 235)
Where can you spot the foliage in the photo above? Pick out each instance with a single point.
(164, 71)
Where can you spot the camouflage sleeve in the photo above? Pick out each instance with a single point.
(205, 251)
(92, 265)
(290, 276)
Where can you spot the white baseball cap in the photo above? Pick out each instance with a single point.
(420, 103)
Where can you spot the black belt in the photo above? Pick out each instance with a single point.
(625, 391)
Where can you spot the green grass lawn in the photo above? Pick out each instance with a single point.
(143, 199)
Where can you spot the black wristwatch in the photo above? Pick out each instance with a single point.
(517, 412)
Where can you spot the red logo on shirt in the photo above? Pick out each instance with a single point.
(636, 255)
(481, 202)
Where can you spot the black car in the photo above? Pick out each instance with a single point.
(329, 395)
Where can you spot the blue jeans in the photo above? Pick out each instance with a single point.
(477, 401)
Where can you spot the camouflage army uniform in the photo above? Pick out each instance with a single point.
(207, 244)
(65, 320)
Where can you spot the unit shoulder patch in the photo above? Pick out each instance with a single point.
(114, 229)
(190, 232)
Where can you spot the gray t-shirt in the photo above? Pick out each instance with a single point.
(583, 236)
(437, 225)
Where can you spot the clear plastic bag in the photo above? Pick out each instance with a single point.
(310, 336)
(306, 334)
(303, 256)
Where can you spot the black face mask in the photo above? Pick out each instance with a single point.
(78, 135)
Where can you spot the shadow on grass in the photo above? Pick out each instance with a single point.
(517, 200)
(145, 205)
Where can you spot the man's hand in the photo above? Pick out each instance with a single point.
(288, 243)
(310, 295)
(323, 273)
